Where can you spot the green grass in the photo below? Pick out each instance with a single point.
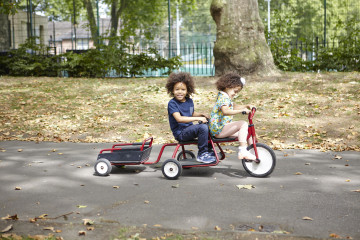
(292, 109)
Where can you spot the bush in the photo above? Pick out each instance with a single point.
(345, 56)
(30, 60)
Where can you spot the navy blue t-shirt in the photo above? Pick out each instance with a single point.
(185, 109)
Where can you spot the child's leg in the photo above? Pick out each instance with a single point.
(199, 131)
(235, 129)
(238, 129)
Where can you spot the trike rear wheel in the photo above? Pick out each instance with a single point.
(267, 161)
(171, 169)
(188, 155)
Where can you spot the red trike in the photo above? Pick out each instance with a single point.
(139, 153)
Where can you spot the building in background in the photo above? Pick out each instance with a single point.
(20, 29)
(66, 39)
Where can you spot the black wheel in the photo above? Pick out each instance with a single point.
(171, 169)
(266, 164)
(102, 167)
(221, 155)
(188, 155)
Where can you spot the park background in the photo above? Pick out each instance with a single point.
(303, 36)
(313, 103)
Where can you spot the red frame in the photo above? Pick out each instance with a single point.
(251, 133)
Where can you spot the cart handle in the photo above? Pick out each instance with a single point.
(145, 143)
(133, 144)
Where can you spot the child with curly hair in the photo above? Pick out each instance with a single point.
(182, 114)
(221, 124)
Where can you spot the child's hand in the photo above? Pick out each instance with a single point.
(250, 107)
(203, 119)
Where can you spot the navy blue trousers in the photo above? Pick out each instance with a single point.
(199, 131)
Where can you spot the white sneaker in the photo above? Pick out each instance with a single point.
(245, 154)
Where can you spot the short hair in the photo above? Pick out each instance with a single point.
(183, 77)
(229, 80)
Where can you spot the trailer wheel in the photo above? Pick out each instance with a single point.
(171, 169)
(103, 167)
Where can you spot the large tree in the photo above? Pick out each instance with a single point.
(6, 7)
(240, 41)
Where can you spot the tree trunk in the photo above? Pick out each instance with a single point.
(240, 41)
(91, 19)
(115, 15)
(4, 32)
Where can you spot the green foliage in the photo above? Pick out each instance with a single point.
(32, 60)
(8, 7)
(341, 54)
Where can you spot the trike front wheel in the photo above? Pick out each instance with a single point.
(266, 164)
(171, 169)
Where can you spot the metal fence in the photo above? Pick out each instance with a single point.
(196, 58)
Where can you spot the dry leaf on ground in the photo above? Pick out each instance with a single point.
(246, 186)
(7, 229)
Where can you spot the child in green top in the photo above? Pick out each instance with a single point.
(221, 124)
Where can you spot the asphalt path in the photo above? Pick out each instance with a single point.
(310, 194)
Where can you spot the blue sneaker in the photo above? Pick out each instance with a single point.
(205, 158)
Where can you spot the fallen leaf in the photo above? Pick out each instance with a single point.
(175, 186)
(246, 186)
(334, 235)
(358, 190)
(280, 232)
(7, 229)
(227, 150)
(82, 233)
(217, 228)
(8, 217)
(298, 173)
(90, 228)
(49, 228)
(116, 186)
(307, 218)
(20, 150)
(194, 228)
(81, 206)
(43, 216)
(146, 202)
(347, 180)
(337, 157)
(17, 188)
(88, 221)
(157, 225)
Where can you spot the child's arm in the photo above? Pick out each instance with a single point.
(196, 114)
(237, 109)
(244, 108)
(184, 119)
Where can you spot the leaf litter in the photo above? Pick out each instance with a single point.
(293, 116)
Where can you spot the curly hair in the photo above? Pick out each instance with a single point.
(229, 80)
(183, 77)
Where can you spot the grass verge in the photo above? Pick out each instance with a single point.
(295, 110)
